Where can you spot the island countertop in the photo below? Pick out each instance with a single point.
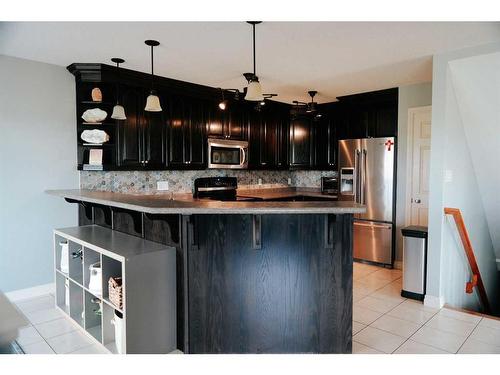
(186, 205)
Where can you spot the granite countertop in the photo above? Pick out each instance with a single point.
(185, 204)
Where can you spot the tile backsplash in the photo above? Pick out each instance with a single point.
(182, 181)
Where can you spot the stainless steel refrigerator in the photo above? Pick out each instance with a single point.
(367, 175)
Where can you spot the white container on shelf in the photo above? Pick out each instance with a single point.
(95, 282)
(66, 292)
(117, 322)
(64, 263)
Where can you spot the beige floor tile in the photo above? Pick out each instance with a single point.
(359, 293)
(417, 305)
(387, 274)
(472, 346)
(487, 322)
(413, 347)
(486, 334)
(380, 340)
(69, 342)
(411, 315)
(36, 304)
(377, 304)
(28, 335)
(358, 348)
(40, 347)
(42, 316)
(460, 315)
(372, 282)
(356, 327)
(92, 349)
(446, 324)
(449, 342)
(394, 297)
(55, 327)
(396, 326)
(365, 316)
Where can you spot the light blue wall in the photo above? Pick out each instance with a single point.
(410, 96)
(447, 268)
(37, 127)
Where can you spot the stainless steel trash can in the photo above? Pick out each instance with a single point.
(414, 262)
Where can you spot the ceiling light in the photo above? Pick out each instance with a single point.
(223, 102)
(152, 101)
(118, 110)
(254, 90)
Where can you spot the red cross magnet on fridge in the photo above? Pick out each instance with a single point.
(389, 144)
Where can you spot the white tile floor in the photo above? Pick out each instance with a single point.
(383, 322)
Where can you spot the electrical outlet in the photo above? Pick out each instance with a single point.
(260, 181)
(289, 181)
(162, 185)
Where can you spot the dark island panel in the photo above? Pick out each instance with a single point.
(291, 295)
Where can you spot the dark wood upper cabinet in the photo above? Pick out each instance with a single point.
(233, 123)
(141, 137)
(301, 142)
(187, 121)
(326, 139)
(269, 137)
(372, 114)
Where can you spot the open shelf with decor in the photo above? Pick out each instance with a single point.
(131, 318)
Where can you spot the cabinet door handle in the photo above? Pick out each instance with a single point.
(191, 237)
(327, 233)
(256, 232)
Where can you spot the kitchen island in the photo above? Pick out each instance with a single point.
(264, 276)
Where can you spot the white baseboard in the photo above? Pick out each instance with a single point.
(398, 264)
(36, 291)
(433, 301)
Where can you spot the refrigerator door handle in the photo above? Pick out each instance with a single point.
(363, 185)
(356, 176)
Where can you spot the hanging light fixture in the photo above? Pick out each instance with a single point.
(118, 110)
(152, 101)
(254, 89)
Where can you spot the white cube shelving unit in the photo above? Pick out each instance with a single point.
(148, 272)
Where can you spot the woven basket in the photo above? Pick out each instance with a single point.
(115, 290)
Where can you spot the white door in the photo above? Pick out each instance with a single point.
(419, 154)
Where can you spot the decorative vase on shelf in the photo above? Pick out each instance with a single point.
(95, 282)
(94, 115)
(117, 322)
(64, 263)
(96, 94)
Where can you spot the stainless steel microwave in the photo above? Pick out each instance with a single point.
(227, 154)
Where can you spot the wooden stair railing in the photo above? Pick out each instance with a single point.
(476, 280)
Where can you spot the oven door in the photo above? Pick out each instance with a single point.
(224, 154)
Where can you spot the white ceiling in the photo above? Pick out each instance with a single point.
(335, 58)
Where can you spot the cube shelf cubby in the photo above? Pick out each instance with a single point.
(148, 272)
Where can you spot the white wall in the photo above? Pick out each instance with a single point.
(451, 154)
(411, 96)
(37, 127)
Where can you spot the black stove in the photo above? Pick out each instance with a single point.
(219, 189)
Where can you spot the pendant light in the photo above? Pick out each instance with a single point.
(152, 101)
(118, 110)
(254, 89)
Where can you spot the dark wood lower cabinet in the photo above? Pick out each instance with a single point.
(291, 295)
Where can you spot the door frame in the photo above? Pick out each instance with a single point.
(409, 157)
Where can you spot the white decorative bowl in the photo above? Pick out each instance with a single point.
(94, 136)
(94, 115)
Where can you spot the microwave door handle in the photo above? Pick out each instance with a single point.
(243, 156)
